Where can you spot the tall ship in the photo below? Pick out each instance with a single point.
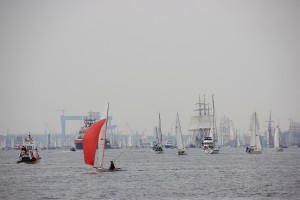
(203, 127)
(88, 121)
(294, 134)
(227, 133)
(269, 133)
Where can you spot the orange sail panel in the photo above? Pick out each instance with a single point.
(90, 141)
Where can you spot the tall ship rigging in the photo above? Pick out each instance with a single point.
(203, 127)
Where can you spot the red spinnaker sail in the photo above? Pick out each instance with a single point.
(90, 141)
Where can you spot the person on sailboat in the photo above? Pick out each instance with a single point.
(23, 150)
(112, 166)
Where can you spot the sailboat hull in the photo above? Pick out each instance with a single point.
(108, 170)
(279, 149)
(158, 152)
(211, 151)
(253, 151)
(182, 152)
(28, 160)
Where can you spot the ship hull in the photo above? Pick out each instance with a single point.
(29, 160)
(79, 144)
(211, 151)
(182, 152)
(169, 146)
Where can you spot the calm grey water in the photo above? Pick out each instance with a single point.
(232, 174)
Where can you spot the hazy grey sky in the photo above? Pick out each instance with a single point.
(146, 57)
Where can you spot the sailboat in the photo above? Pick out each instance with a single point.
(96, 133)
(276, 140)
(255, 145)
(180, 145)
(158, 147)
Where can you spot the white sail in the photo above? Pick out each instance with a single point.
(258, 143)
(255, 144)
(129, 141)
(201, 122)
(178, 132)
(159, 132)
(254, 135)
(276, 137)
(211, 133)
(268, 138)
(238, 143)
(102, 138)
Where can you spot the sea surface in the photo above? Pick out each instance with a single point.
(232, 174)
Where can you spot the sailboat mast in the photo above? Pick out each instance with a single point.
(160, 133)
(179, 127)
(255, 128)
(214, 122)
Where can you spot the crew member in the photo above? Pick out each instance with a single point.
(112, 166)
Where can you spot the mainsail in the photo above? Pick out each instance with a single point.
(180, 145)
(254, 131)
(90, 141)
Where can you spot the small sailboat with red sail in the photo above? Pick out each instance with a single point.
(96, 134)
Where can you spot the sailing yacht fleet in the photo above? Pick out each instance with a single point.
(96, 134)
(203, 127)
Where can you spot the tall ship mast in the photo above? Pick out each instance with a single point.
(270, 135)
(294, 133)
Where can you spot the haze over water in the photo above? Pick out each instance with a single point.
(232, 174)
(146, 57)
